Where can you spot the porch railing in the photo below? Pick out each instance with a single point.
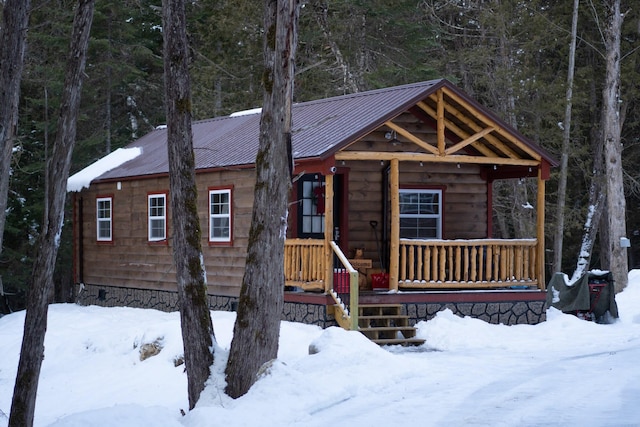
(305, 267)
(345, 292)
(304, 263)
(467, 264)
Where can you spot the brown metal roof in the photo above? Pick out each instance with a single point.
(320, 129)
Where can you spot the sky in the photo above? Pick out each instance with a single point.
(562, 372)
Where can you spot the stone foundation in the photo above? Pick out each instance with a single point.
(497, 307)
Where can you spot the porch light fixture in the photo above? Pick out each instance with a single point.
(421, 164)
(495, 167)
(458, 165)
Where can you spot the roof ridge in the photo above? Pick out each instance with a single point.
(371, 92)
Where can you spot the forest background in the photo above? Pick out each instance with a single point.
(510, 55)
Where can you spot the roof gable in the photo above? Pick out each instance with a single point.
(323, 127)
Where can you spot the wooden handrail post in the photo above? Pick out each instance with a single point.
(395, 225)
(540, 231)
(328, 231)
(354, 299)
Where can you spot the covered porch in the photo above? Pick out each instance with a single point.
(426, 175)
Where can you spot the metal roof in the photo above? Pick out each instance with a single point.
(320, 129)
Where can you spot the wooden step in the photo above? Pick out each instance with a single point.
(384, 324)
(399, 341)
(389, 332)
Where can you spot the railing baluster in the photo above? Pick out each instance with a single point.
(411, 250)
(419, 264)
(458, 265)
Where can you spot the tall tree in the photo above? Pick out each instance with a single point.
(611, 127)
(195, 317)
(13, 35)
(257, 327)
(41, 286)
(566, 139)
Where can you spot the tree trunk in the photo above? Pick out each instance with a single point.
(616, 204)
(564, 159)
(13, 36)
(41, 286)
(195, 317)
(597, 195)
(257, 327)
(349, 83)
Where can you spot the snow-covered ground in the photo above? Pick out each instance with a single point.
(562, 372)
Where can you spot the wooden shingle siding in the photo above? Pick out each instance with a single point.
(131, 261)
(465, 193)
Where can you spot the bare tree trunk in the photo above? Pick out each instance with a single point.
(15, 19)
(349, 83)
(41, 286)
(257, 327)
(566, 135)
(597, 197)
(616, 204)
(195, 317)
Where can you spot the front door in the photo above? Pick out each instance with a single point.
(311, 210)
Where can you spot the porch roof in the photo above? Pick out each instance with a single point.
(323, 127)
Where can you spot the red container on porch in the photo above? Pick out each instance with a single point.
(380, 281)
(341, 280)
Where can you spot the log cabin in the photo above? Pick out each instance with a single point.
(403, 176)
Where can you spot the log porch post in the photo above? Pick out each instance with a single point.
(328, 231)
(540, 230)
(395, 225)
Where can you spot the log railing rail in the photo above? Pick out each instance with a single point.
(469, 264)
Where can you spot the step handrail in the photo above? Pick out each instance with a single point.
(350, 312)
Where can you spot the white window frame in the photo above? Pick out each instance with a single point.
(437, 216)
(215, 216)
(154, 216)
(104, 219)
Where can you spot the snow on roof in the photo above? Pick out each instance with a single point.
(83, 178)
(246, 112)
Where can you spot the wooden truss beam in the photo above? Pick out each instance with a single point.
(426, 157)
(483, 118)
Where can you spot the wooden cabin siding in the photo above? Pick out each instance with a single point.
(365, 205)
(465, 197)
(131, 261)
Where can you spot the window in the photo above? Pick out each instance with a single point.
(103, 219)
(311, 209)
(157, 217)
(220, 215)
(420, 214)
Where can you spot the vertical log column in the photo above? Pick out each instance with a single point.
(395, 225)
(540, 230)
(328, 231)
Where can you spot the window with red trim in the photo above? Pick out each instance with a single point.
(157, 224)
(420, 214)
(220, 215)
(104, 215)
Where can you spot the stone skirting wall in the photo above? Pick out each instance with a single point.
(507, 313)
(496, 308)
(110, 296)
